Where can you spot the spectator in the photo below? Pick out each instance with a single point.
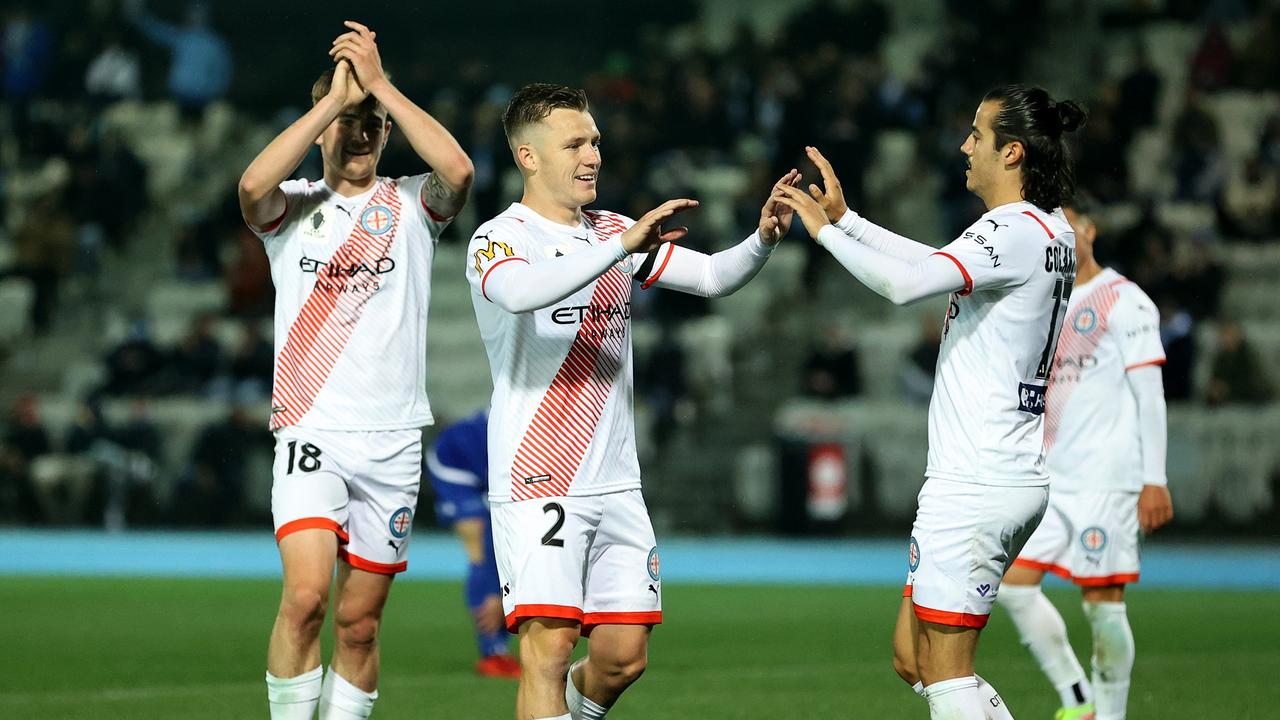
(832, 369)
(44, 246)
(252, 363)
(212, 491)
(663, 380)
(1238, 375)
(24, 440)
(114, 73)
(1251, 201)
(917, 373)
(197, 359)
(200, 66)
(28, 53)
(1212, 63)
(1177, 334)
(134, 364)
(1139, 95)
(1197, 146)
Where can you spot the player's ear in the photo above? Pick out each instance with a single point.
(1014, 152)
(526, 158)
(386, 133)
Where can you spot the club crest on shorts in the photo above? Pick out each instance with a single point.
(913, 554)
(401, 521)
(1093, 539)
(653, 564)
(1085, 321)
(376, 220)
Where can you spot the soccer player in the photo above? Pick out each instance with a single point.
(351, 261)
(1009, 277)
(1105, 442)
(457, 464)
(551, 285)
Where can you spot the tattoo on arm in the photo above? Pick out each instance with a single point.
(442, 199)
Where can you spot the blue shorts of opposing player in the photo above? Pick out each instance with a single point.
(457, 466)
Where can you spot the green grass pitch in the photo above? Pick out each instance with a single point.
(190, 649)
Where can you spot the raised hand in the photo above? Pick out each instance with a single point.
(344, 88)
(810, 212)
(647, 234)
(775, 218)
(832, 198)
(360, 49)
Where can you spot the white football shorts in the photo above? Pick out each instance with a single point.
(1092, 539)
(592, 559)
(964, 538)
(361, 485)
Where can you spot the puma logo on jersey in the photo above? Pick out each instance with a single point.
(491, 251)
(995, 225)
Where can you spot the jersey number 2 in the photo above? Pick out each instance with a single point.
(1061, 294)
(550, 538)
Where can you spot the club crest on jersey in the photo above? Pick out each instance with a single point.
(401, 521)
(1094, 539)
(1085, 321)
(314, 226)
(376, 220)
(653, 564)
(913, 554)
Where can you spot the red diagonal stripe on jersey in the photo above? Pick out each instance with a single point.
(1073, 344)
(329, 316)
(564, 424)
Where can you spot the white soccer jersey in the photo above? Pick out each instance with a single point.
(1091, 421)
(561, 418)
(986, 414)
(353, 281)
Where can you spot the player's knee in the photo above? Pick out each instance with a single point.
(622, 672)
(906, 669)
(356, 629)
(547, 658)
(304, 609)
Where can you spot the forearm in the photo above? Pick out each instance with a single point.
(713, 275)
(1147, 385)
(878, 238)
(429, 139)
(898, 280)
(520, 287)
(282, 156)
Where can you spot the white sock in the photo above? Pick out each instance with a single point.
(954, 699)
(1042, 630)
(340, 700)
(294, 698)
(918, 689)
(1113, 654)
(992, 704)
(581, 707)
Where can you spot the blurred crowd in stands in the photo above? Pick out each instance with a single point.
(76, 193)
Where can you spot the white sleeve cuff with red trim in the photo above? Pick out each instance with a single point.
(898, 280)
(525, 287)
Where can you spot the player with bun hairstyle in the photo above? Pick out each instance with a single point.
(1009, 277)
